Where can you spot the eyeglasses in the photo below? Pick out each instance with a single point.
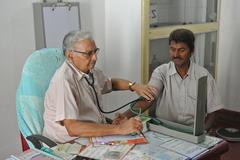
(88, 54)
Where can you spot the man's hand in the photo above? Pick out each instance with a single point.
(132, 125)
(146, 91)
(120, 118)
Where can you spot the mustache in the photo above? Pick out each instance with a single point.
(176, 58)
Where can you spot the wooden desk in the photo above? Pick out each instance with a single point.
(216, 152)
(226, 119)
(213, 153)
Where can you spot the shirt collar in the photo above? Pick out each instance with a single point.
(172, 70)
(79, 73)
(191, 70)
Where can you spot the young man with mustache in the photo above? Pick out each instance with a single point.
(176, 84)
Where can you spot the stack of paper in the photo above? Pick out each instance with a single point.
(165, 147)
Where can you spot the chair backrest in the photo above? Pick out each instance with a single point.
(36, 75)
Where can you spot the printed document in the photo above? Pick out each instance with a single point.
(107, 152)
(164, 147)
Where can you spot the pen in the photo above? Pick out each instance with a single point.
(142, 133)
(139, 115)
(106, 143)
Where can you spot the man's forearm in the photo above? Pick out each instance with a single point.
(88, 129)
(140, 107)
(146, 91)
(120, 84)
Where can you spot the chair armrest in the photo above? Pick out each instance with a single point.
(37, 141)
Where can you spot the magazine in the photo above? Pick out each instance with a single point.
(119, 139)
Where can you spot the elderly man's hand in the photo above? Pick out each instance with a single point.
(132, 125)
(146, 91)
(120, 118)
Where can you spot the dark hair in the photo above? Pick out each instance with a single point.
(183, 35)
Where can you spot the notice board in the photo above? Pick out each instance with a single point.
(52, 21)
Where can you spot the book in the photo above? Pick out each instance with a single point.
(119, 139)
(34, 154)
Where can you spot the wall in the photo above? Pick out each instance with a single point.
(229, 54)
(16, 44)
(123, 47)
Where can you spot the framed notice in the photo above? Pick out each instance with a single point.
(52, 21)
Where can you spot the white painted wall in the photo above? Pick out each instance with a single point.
(229, 54)
(123, 47)
(16, 44)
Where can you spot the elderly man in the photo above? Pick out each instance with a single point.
(73, 99)
(176, 84)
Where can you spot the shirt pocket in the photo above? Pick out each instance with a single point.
(192, 94)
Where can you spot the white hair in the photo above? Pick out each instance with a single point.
(74, 37)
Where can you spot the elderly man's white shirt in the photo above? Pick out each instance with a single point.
(69, 96)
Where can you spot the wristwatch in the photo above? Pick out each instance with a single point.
(130, 84)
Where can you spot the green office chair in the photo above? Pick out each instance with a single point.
(36, 75)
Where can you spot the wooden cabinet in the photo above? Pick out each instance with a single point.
(161, 17)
